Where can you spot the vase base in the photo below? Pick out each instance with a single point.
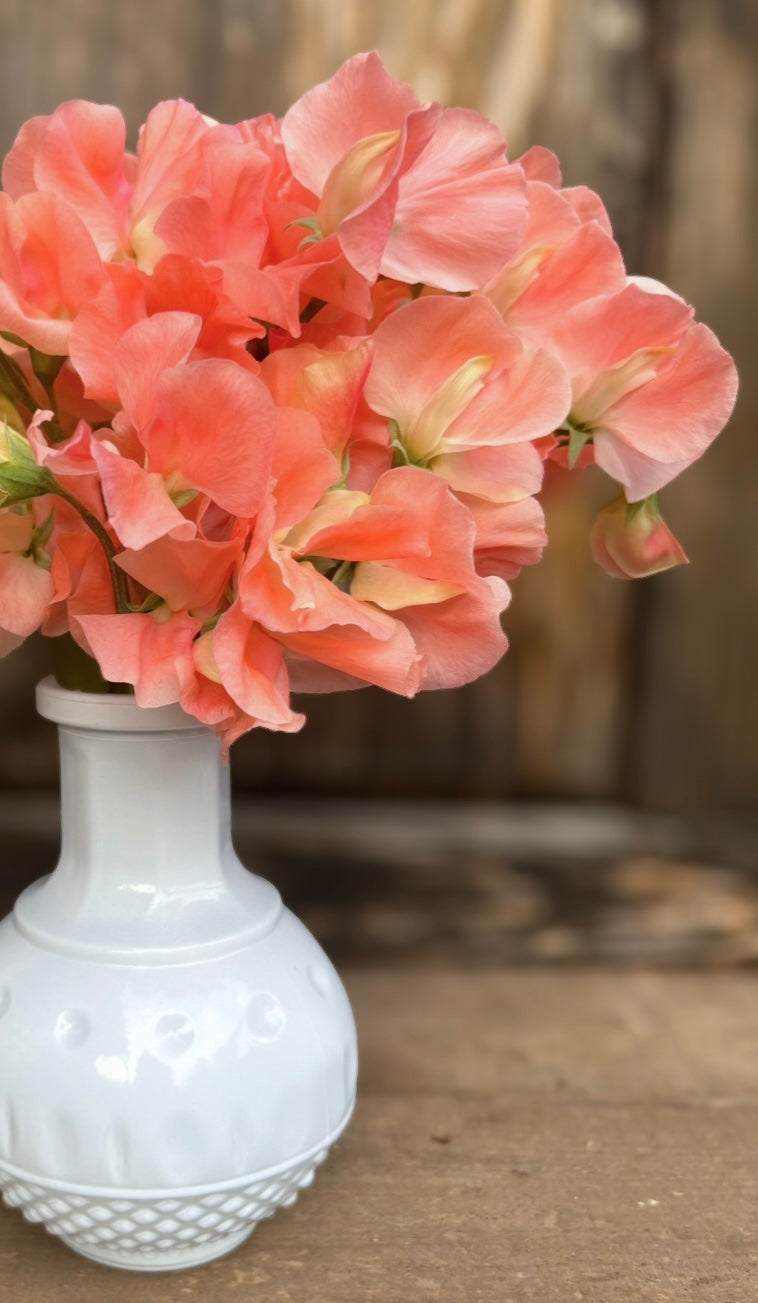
(181, 1259)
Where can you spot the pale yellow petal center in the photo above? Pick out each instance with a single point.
(354, 178)
(423, 437)
(594, 396)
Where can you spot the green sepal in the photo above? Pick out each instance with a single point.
(151, 603)
(576, 443)
(324, 565)
(40, 539)
(20, 476)
(184, 498)
(309, 223)
(649, 504)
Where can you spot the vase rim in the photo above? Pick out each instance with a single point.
(108, 712)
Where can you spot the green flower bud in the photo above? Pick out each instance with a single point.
(20, 476)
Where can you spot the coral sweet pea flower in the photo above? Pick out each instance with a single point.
(417, 193)
(169, 165)
(243, 660)
(461, 207)
(128, 296)
(26, 587)
(326, 384)
(189, 574)
(345, 141)
(203, 427)
(330, 638)
(407, 548)
(78, 154)
(80, 571)
(317, 621)
(459, 390)
(167, 659)
(567, 255)
(49, 268)
(651, 388)
(152, 652)
(509, 535)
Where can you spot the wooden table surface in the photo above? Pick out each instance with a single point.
(547, 1136)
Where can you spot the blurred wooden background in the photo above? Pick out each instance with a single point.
(642, 693)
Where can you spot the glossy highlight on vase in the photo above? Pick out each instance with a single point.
(178, 1049)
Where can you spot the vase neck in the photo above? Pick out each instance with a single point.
(143, 812)
(147, 871)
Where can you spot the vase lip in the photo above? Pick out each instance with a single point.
(109, 712)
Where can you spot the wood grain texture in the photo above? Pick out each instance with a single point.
(646, 693)
(520, 1138)
(697, 721)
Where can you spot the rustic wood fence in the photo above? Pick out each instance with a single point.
(643, 693)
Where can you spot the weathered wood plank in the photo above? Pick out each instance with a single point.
(697, 711)
(519, 1139)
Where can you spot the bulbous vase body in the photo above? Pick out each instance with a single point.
(177, 1053)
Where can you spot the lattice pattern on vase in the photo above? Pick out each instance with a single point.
(150, 1224)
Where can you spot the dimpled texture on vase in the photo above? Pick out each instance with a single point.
(178, 1053)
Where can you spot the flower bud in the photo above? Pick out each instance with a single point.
(631, 540)
(20, 476)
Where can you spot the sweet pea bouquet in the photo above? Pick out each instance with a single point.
(278, 397)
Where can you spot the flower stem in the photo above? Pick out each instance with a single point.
(14, 384)
(118, 578)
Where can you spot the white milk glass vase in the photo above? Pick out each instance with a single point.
(177, 1053)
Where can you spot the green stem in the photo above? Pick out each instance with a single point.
(74, 669)
(14, 384)
(118, 578)
(343, 575)
(312, 307)
(47, 368)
